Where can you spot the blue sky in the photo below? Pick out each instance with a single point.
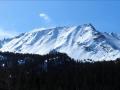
(23, 16)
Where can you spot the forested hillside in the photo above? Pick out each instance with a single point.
(56, 71)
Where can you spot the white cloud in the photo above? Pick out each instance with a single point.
(45, 16)
(7, 34)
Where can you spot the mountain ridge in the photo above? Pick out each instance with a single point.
(79, 42)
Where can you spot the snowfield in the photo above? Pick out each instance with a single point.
(79, 42)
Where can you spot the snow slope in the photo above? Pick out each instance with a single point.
(79, 42)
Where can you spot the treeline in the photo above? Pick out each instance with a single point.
(56, 71)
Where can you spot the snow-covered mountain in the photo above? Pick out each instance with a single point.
(79, 42)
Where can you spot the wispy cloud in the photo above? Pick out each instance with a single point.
(7, 34)
(45, 17)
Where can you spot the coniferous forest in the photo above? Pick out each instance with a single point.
(56, 71)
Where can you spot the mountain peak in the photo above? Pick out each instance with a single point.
(84, 26)
(79, 42)
(88, 27)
